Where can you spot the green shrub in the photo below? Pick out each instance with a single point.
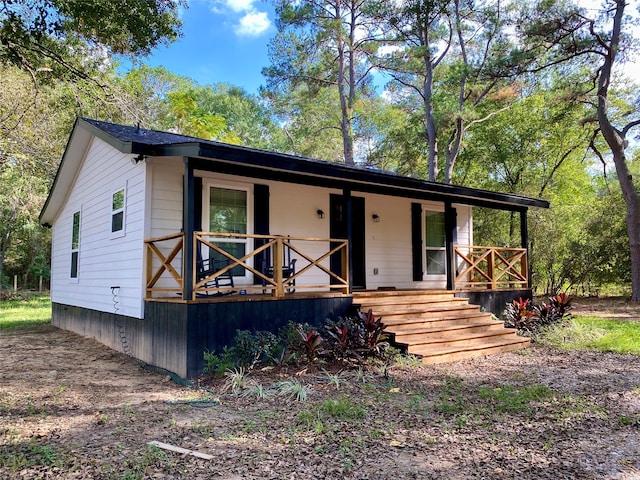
(251, 348)
(528, 319)
(215, 364)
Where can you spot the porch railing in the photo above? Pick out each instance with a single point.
(164, 264)
(490, 268)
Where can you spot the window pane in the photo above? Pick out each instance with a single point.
(435, 262)
(434, 226)
(117, 201)
(74, 264)
(228, 210)
(75, 235)
(238, 250)
(117, 222)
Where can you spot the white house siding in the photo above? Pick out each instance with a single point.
(103, 261)
(388, 242)
(293, 212)
(166, 196)
(165, 211)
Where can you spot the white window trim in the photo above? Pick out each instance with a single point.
(206, 200)
(432, 276)
(75, 250)
(123, 231)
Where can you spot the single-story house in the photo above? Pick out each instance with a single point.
(164, 245)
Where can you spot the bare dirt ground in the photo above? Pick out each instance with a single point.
(71, 408)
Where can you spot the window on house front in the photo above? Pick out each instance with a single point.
(75, 244)
(435, 241)
(117, 212)
(228, 213)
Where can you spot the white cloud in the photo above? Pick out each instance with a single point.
(253, 24)
(240, 5)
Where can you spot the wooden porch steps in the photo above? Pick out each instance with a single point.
(438, 326)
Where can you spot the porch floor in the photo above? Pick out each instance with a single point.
(438, 326)
(236, 296)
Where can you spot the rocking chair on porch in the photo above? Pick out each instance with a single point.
(288, 270)
(207, 267)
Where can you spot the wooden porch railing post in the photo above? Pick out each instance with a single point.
(491, 270)
(278, 292)
(149, 265)
(345, 267)
(524, 268)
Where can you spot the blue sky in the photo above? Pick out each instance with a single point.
(226, 41)
(223, 41)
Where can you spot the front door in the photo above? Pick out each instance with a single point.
(339, 229)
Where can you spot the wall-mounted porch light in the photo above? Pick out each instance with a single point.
(138, 158)
(375, 217)
(320, 213)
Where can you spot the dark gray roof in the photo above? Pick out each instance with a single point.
(234, 159)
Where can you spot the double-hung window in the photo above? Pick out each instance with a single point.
(75, 245)
(435, 242)
(229, 213)
(118, 200)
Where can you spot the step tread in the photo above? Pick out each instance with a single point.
(406, 319)
(447, 328)
(469, 353)
(426, 308)
(410, 299)
(399, 293)
(432, 351)
(463, 337)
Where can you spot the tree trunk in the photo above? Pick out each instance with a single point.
(346, 97)
(427, 96)
(616, 141)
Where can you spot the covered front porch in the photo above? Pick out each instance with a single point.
(208, 268)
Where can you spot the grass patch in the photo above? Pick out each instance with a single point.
(30, 312)
(592, 333)
(343, 409)
(509, 399)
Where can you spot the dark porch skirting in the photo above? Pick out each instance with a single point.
(174, 335)
(494, 301)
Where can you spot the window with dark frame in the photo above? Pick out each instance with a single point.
(435, 243)
(117, 212)
(228, 213)
(75, 244)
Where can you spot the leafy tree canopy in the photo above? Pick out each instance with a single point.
(48, 34)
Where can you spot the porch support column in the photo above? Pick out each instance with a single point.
(524, 241)
(188, 226)
(348, 201)
(450, 225)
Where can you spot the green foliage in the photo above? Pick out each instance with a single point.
(319, 75)
(236, 380)
(29, 311)
(250, 348)
(355, 337)
(520, 315)
(65, 36)
(31, 454)
(351, 338)
(513, 400)
(215, 364)
(311, 342)
(591, 333)
(294, 390)
(529, 319)
(342, 408)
